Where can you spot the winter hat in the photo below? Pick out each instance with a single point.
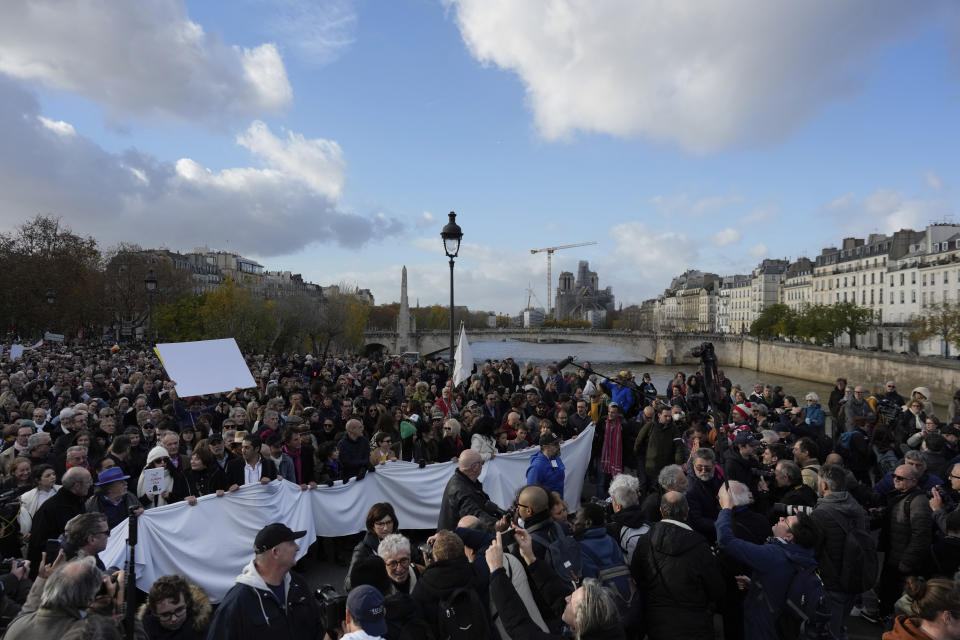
(155, 454)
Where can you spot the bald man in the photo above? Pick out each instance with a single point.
(464, 495)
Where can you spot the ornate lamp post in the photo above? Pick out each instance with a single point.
(451, 234)
(150, 283)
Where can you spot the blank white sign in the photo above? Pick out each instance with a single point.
(207, 366)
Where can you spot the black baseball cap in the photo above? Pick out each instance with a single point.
(274, 534)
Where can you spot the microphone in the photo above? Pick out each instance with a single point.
(564, 362)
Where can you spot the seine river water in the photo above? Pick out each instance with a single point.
(610, 360)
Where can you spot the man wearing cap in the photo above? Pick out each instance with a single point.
(269, 600)
(366, 615)
(112, 497)
(546, 468)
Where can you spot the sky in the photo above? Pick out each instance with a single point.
(331, 137)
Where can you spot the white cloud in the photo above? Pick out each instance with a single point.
(318, 163)
(706, 76)
(317, 30)
(760, 214)
(58, 126)
(656, 255)
(933, 180)
(286, 204)
(426, 219)
(684, 204)
(758, 251)
(140, 59)
(726, 237)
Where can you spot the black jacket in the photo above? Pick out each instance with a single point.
(206, 481)
(736, 467)
(235, 473)
(703, 503)
(49, 522)
(464, 497)
(250, 611)
(438, 582)
(834, 513)
(354, 455)
(680, 580)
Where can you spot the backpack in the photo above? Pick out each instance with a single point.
(615, 576)
(859, 567)
(462, 615)
(563, 554)
(845, 444)
(806, 612)
(628, 540)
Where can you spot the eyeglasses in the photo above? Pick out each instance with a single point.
(524, 506)
(891, 386)
(447, 429)
(383, 523)
(955, 477)
(173, 613)
(399, 562)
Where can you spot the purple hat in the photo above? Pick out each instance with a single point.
(113, 474)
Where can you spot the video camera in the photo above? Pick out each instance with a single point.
(333, 606)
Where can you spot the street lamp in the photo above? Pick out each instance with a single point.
(451, 234)
(150, 282)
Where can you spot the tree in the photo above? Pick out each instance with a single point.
(940, 320)
(125, 269)
(775, 320)
(815, 323)
(231, 311)
(848, 318)
(45, 256)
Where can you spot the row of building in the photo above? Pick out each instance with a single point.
(210, 268)
(897, 276)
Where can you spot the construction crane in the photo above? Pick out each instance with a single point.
(550, 251)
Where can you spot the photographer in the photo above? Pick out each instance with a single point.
(944, 500)
(789, 489)
(838, 513)
(589, 611)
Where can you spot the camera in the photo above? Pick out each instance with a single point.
(333, 606)
(781, 509)
(7, 564)
(938, 490)
(606, 505)
(426, 549)
(763, 473)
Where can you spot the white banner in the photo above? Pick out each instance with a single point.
(211, 542)
(206, 366)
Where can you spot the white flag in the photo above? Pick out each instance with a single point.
(463, 362)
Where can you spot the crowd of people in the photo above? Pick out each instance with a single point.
(738, 514)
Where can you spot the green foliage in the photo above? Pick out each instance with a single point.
(939, 320)
(570, 323)
(775, 320)
(822, 323)
(180, 320)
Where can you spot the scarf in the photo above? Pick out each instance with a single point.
(295, 456)
(611, 457)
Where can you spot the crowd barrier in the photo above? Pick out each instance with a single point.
(211, 542)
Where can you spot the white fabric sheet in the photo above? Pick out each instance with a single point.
(463, 362)
(211, 542)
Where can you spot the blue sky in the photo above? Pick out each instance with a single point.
(330, 137)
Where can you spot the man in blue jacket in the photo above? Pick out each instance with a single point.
(619, 391)
(546, 468)
(773, 563)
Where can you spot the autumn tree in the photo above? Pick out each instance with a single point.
(941, 321)
(848, 318)
(45, 259)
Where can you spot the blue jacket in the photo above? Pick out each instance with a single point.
(926, 482)
(619, 394)
(816, 418)
(773, 567)
(598, 551)
(546, 472)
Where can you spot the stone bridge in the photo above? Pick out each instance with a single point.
(659, 348)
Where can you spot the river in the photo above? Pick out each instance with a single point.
(610, 360)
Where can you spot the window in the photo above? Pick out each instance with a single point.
(946, 277)
(881, 279)
(923, 299)
(901, 339)
(873, 278)
(924, 280)
(901, 279)
(881, 297)
(913, 277)
(913, 296)
(871, 296)
(864, 278)
(863, 297)
(844, 280)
